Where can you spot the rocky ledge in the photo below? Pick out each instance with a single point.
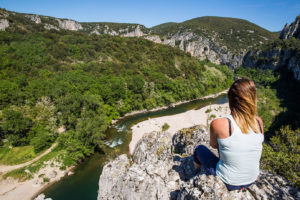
(161, 167)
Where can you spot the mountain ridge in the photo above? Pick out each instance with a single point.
(209, 37)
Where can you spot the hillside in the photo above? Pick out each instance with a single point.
(236, 34)
(218, 39)
(52, 78)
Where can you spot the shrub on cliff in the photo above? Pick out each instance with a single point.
(282, 156)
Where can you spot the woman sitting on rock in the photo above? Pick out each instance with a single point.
(238, 137)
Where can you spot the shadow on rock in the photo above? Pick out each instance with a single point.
(186, 168)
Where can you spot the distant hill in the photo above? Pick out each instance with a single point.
(218, 39)
(235, 34)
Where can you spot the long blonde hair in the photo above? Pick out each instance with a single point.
(243, 104)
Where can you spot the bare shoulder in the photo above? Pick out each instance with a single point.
(259, 119)
(216, 123)
(220, 127)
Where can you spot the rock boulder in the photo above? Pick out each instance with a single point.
(161, 167)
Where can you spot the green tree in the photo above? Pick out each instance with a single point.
(42, 138)
(15, 125)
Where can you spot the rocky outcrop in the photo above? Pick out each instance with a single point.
(35, 18)
(3, 24)
(49, 26)
(161, 167)
(292, 30)
(274, 59)
(133, 30)
(136, 33)
(42, 197)
(282, 54)
(69, 25)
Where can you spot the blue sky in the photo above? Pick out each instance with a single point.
(269, 14)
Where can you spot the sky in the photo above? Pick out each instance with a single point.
(269, 14)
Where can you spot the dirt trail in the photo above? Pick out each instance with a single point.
(7, 168)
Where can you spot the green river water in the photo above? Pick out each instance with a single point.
(83, 185)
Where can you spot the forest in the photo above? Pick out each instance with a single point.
(52, 79)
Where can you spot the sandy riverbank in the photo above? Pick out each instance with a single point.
(178, 121)
(12, 189)
(172, 105)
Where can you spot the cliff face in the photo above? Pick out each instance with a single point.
(275, 58)
(283, 53)
(3, 24)
(201, 47)
(292, 30)
(219, 39)
(162, 168)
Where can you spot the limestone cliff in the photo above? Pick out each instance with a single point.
(3, 24)
(115, 29)
(282, 54)
(161, 167)
(201, 47)
(35, 18)
(219, 39)
(275, 58)
(292, 30)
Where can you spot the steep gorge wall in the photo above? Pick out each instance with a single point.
(201, 48)
(292, 30)
(288, 59)
(283, 53)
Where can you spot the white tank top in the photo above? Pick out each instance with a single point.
(239, 156)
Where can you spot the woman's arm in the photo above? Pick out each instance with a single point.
(219, 128)
(213, 136)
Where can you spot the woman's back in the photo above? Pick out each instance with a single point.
(239, 139)
(239, 156)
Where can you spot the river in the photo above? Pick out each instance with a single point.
(83, 185)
